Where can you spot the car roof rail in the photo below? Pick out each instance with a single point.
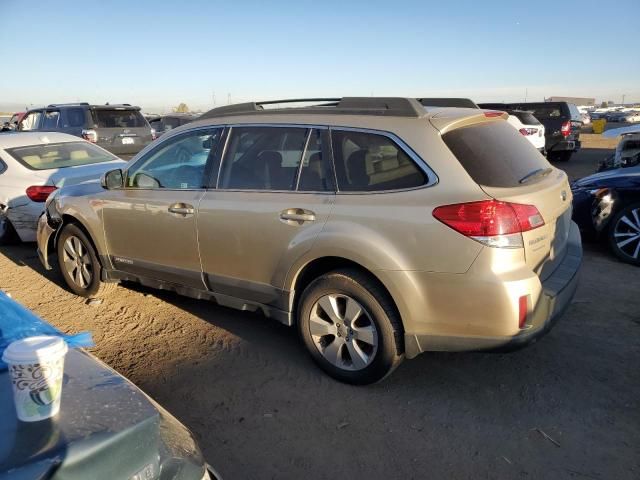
(386, 106)
(448, 102)
(66, 104)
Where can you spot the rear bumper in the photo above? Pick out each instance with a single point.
(479, 310)
(566, 146)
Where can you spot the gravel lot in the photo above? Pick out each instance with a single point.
(565, 407)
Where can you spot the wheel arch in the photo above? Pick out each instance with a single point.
(321, 265)
(70, 219)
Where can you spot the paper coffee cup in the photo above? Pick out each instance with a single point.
(36, 367)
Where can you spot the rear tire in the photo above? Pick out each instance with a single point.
(624, 239)
(8, 234)
(350, 327)
(79, 263)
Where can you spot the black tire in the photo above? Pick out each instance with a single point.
(560, 156)
(8, 234)
(94, 287)
(380, 311)
(629, 252)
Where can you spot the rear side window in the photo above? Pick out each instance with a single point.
(368, 162)
(50, 119)
(545, 110)
(263, 158)
(60, 155)
(75, 117)
(118, 118)
(494, 154)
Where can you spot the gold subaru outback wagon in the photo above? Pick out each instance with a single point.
(378, 227)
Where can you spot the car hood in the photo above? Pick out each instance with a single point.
(106, 428)
(74, 175)
(602, 178)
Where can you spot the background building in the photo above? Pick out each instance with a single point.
(575, 100)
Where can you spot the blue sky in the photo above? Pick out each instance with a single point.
(157, 54)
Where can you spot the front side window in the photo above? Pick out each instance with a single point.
(50, 119)
(263, 158)
(30, 121)
(369, 162)
(60, 155)
(178, 163)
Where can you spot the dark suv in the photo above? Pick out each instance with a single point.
(121, 129)
(562, 122)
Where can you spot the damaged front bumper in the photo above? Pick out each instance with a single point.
(43, 236)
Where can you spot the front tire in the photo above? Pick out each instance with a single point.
(79, 263)
(560, 156)
(350, 327)
(624, 234)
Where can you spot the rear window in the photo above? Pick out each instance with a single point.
(494, 154)
(545, 110)
(59, 155)
(118, 118)
(526, 117)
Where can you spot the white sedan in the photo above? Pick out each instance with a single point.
(34, 164)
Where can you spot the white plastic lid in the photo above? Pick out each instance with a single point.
(35, 349)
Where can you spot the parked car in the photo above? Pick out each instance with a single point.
(32, 165)
(164, 123)
(630, 117)
(12, 123)
(607, 206)
(562, 122)
(529, 127)
(379, 229)
(106, 428)
(120, 129)
(627, 152)
(586, 118)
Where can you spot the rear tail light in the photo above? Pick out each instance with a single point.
(90, 135)
(153, 134)
(39, 193)
(528, 131)
(565, 129)
(491, 222)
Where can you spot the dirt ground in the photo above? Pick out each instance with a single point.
(565, 407)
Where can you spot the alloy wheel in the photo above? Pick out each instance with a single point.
(627, 233)
(343, 332)
(77, 262)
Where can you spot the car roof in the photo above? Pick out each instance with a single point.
(23, 139)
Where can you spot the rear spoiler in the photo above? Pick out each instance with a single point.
(452, 118)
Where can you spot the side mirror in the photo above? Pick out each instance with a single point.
(112, 179)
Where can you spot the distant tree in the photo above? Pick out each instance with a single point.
(603, 105)
(182, 108)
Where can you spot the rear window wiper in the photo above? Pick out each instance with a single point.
(540, 172)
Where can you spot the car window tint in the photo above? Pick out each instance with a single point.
(367, 162)
(263, 158)
(30, 121)
(118, 118)
(50, 119)
(494, 154)
(315, 175)
(60, 155)
(75, 117)
(178, 163)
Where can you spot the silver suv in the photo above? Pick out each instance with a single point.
(378, 227)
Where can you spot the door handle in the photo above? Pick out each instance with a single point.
(297, 215)
(182, 209)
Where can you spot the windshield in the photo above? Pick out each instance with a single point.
(118, 118)
(60, 155)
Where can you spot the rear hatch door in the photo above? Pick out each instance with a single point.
(508, 168)
(121, 130)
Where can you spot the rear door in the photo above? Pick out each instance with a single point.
(121, 130)
(508, 168)
(274, 194)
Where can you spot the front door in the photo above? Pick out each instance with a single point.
(273, 197)
(150, 224)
